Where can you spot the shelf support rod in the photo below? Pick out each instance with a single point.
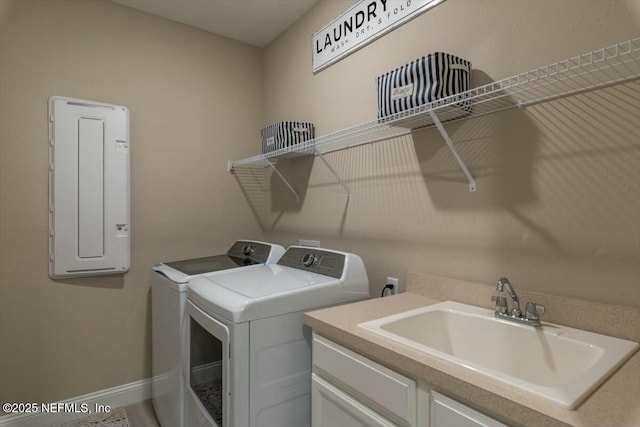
(340, 181)
(445, 136)
(295, 193)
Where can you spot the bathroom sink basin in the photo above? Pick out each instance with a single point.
(561, 364)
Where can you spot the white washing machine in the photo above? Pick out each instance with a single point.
(248, 361)
(168, 294)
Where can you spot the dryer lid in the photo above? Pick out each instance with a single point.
(268, 280)
(191, 267)
(242, 253)
(262, 291)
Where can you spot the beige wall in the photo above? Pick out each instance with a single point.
(558, 203)
(196, 101)
(558, 196)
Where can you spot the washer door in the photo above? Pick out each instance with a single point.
(207, 372)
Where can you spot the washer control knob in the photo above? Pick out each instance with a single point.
(248, 250)
(308, 260)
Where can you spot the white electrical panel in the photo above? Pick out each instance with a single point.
(88, 188)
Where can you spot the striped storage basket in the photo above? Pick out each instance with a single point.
(424, 80)
(285, 134)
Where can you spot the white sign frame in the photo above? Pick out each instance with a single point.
(361, 24)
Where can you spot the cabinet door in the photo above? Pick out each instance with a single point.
(332, 407)
(447, 412)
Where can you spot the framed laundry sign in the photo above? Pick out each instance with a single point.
(361, 24)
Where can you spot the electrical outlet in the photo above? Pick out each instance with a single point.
(393, 281)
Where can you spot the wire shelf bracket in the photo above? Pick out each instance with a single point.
(445, 136)
(289, 186)
(335, 174)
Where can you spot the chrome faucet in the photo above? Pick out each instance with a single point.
(532, 311)
(504, 283)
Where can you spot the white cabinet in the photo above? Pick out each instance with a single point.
(350, 390)
(385, 392)
(388, 392)
(446, 412)
(333, 407)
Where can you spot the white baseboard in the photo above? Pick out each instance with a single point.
(114, 397)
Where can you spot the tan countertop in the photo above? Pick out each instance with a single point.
(615, 403)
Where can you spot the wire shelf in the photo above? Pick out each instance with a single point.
(600, 68)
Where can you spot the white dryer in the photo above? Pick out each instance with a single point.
(248, 360)
(168, 294)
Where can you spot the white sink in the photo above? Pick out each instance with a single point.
(557, 363)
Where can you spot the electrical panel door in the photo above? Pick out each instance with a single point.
(88, 188)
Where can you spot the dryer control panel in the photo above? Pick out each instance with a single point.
(255, 251)
(315, 260)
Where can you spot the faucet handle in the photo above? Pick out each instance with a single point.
(501, 304)
(533, 311)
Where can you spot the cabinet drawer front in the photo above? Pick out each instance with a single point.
(332, 407)
(447, 412)
(394, 393)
